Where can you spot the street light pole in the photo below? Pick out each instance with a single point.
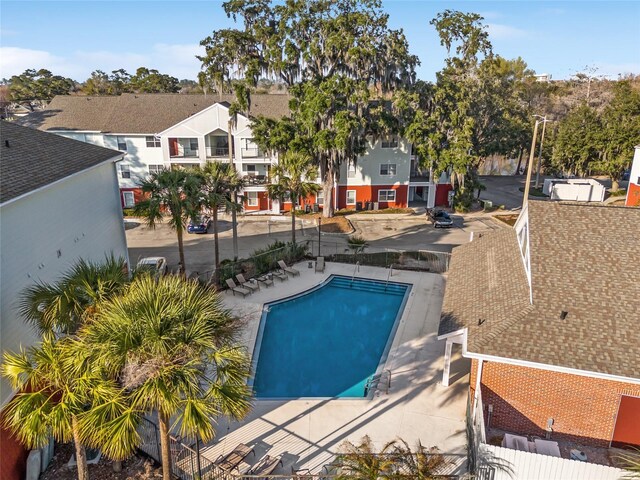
(531, 157)
(544, 126)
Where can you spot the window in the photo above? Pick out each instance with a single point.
(386, 195)
(125, 171)
(193, 144)
(351, 197)
(320, 197)
(388, 169)
(156, 168)
(122, 144)
(390, 142)
(252, 199)
(129, 199)
(351, 170)
(153, 142)
(250, 169)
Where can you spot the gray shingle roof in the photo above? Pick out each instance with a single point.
(34, 159)
(583, 259)
(139, 113)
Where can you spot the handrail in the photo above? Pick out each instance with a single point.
(388, 277)
(354, 270)
(388, 380)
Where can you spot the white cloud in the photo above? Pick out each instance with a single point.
(177, 60)
(500, 31)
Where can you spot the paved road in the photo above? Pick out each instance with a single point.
(408, 233)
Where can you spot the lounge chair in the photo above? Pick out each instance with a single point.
(235, 288)
(265, 466)
(251, 285)
(280, 275)
(290, 270)
(320, 264)
(231, 460)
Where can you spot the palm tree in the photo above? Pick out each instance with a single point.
(61, 307)
(178, 193)
(56, 389)
(418, 465)
(173, 347)
(294, 176)
(220, 181)
(362, 462)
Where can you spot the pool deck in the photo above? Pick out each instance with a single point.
(308, 432)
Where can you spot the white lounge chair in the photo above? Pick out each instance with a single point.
(280, 275)
(320, 264)
(253, 286)
(290, 270)
(235, 288)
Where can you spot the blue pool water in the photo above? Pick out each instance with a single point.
(327, 342)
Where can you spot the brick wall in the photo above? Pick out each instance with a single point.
(584, 409)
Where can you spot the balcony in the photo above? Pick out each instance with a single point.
(251, 178)
(252, 152)
(183, 148)
(213, 152)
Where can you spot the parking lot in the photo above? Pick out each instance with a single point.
(403, 233)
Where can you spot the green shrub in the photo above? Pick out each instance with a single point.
(127, 212)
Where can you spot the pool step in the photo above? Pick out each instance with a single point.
(368, 286)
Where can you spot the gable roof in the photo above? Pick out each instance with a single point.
(582, 262)
(139, 113)
(33, 159)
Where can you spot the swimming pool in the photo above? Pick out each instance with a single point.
(328, 341)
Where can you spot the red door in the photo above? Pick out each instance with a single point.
(263, 201)
(627, 430)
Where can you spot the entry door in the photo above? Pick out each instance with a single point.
(627, 430)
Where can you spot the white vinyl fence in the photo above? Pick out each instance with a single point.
(508, 464)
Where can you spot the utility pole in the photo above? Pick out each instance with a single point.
(544, 126)
(531, 157)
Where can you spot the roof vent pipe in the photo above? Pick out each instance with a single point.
(563, 314)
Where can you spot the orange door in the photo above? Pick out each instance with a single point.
(627, 430)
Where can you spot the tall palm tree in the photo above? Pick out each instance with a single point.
(173, 347)
(56, 389)
(176, 192)
(61, 307)
(362, 462)
(220, 181)
(295, 176)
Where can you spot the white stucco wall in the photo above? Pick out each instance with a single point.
(79, 217)
(138, 156)
(635, 167)
(368, 165)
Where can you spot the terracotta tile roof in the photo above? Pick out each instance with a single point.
(138, 113)
(33, 159)
(584, 260)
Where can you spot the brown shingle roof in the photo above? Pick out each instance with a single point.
(139, 113)
(583, 259)
(34, 159)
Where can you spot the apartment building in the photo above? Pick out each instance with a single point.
(158, 131)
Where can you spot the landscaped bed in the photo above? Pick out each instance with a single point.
(336, 224)
(508, 219)
(134, 468)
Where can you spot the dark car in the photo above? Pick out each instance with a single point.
(440, 218)
(200, 226)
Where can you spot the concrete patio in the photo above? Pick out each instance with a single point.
(308, 432)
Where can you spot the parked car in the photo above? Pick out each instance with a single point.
(200, 226)
(439, 218)
(156, 265)
(626, 174)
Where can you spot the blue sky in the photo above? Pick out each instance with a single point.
(73, 38)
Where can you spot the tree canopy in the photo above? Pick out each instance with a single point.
(334, 57)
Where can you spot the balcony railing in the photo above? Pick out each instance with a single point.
(185, 154)
(251, 152)
(217, 151)
(252, 179)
